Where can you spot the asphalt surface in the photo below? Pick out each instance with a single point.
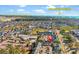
(37, 48)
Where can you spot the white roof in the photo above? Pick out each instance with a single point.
(27, 36)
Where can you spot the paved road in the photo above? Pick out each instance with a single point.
(43, 49)
(38, 46)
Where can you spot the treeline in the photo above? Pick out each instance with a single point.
(32, 19)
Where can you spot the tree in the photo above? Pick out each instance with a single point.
(2, 51)
(62, 31)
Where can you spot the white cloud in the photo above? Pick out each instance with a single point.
(50, 6)
(22, 6)
(20, 10)
(62, 6)
(39, 11)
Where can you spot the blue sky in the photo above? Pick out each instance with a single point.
(39, 10)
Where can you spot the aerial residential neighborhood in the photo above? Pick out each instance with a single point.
(38, 34)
